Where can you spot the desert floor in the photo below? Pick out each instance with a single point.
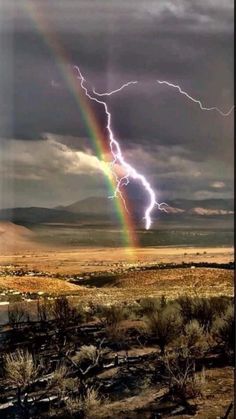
(115, 274)
(102, 259)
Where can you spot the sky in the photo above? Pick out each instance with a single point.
(47, 156)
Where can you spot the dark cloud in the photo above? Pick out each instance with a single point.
(189, 43)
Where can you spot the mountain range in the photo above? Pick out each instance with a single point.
(99, 211)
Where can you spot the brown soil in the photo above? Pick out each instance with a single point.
(35, 284)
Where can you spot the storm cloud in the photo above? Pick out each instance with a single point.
(184, 151)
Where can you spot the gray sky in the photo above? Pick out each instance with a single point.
(47, 156)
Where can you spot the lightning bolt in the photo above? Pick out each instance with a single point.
(115, 91)
(203, 108)
(116, 152)
(130, 172)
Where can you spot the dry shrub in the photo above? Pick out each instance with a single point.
(193, 332)
(195, 338)
(200, 381)
(200, 309)
(44, 310)
(114, 314)
(220, 304)
(116, 333)
(165, 324)
(86, 353)
(186, 308)
(60, 384)
(16, 315)
(92, 403)
(20, 372)
(183, 383)
(82, 313)
(89, 406)
(59, 374)
(204, 310)
(223, 329)
(132, 310)
(74, 405)
(64, 312)
(149, 305)
(20, 368)
(96, 309)
(112, 317)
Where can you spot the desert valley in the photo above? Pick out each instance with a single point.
(86, 322)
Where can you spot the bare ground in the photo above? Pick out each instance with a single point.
(123, 280)
(217, 394)
(91, 259)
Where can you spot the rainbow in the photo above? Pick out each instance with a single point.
(100, 143)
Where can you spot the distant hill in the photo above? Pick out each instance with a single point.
(92, 206)
(14, 236)
(188, 204)
(100, 211)
(35, 215)
(9, 229)
(102, 205)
